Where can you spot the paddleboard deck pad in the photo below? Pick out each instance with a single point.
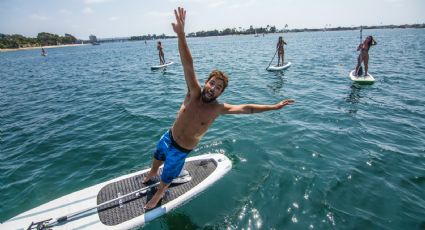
(161, 66)
(279, 68)
(128, 212)
(369, 79)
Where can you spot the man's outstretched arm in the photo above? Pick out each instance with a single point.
(253, 108)
(185, 55)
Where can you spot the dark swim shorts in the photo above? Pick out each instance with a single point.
(173, 156)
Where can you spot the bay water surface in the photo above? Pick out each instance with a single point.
(343, 156)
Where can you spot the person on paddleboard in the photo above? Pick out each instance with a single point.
(43, 52)
(161, 53)
(364, 54)
(280, 50)
(198, 111)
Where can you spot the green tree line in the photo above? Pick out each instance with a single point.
(150, 37)
(236, 31)
(43, 39)
(227, 31)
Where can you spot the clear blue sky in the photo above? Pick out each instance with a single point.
(120, 18)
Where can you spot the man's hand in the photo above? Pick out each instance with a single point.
(193, 85)
(284, 103)
(178, 27)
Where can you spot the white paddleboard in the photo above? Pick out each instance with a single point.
(127, 212)
(362, 79)
(161, 66)
(278, 68)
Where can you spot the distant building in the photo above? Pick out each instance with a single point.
(93, 40)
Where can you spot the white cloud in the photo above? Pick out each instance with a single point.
(189, 1)
(160, 14)
(95, 1)
(233, 4)
(87, 10)
(243, 4)
(217, 3)
(397, 3)
(39, 17)
(113, 18)
(65, 12)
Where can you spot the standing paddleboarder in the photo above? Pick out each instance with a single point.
(364, 54)
(161, 53)
(43, 52)
(198, 111)
(280, 50)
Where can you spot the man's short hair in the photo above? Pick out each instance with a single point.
(219, 75)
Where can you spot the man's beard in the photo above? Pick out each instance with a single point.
(205, 99)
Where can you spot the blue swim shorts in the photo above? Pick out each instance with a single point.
(173, 156)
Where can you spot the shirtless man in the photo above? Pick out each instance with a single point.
(280, 50)
(364, 54)
(198, 111)
(161, 53)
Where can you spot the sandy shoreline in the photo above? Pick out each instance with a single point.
(39, 47)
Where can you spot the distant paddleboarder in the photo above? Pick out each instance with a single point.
(198, 111)
(280, 51)
(43, 52)
(364, 54)
(161, 53)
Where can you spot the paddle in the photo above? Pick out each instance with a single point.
(360, 71)
(184, 177)
(272, 59)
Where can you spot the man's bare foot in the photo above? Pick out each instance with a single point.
(149, 176)
(153, 202)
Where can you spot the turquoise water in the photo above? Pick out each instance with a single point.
(342, 157)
